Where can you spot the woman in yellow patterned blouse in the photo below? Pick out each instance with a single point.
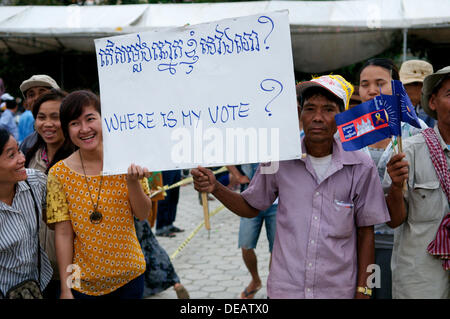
(93, 214)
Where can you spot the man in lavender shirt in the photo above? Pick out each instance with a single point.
(329, 201)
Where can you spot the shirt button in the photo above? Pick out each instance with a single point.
(312, 241)
(308, 289)
(315, 217)
(310, 264)
(317, 193)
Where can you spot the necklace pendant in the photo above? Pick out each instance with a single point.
(96, 217)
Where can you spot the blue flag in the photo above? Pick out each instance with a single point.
(408, 114)
(365, 124)
(377, 119)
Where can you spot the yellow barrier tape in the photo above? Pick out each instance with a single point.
(185, 181)
(196, 230)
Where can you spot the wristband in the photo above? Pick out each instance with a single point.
(364, 290)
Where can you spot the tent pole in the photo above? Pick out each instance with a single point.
(61, 67)
(405, 43)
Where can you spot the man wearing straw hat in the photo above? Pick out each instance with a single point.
(328, 202)
(412, 73)
(420, 214)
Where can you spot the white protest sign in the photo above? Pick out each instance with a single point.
(211, 94)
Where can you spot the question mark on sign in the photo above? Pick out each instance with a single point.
(266, 19)
(267, 87)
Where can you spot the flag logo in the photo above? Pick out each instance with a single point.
(363, 125)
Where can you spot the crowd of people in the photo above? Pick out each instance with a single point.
(329, 216)
(342, 213)
(91, 226)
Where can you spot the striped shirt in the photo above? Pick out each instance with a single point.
(18, 235)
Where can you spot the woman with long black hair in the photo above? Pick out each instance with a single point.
(49, 148)
(375, 78)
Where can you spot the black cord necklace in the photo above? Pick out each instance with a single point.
(95, 217)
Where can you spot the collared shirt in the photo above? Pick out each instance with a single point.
(384, 235)
(8, 122)
(315, 249)
(415, 273)
(18, 235)
(26, 125)
(37, 161)
(28, 142)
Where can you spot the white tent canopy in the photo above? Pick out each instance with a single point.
(326, 35)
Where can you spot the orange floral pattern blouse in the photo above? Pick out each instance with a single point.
(108, 254)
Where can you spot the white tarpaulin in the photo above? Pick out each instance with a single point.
(325, 34)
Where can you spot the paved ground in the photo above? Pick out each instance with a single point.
(211, 268)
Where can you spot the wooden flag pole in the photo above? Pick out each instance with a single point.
(400, 150)
(205, 205)
(206, 211)
(393, 145)
(185, 181)
(204, 196)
